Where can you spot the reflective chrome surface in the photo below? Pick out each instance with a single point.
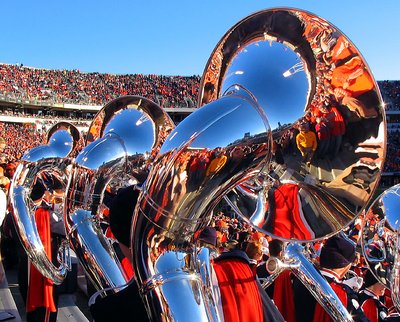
(49, 160)
(292, 210)
(208, 153)
(205, 269)
(380, 240)
(315, 283)
(295, 63)
(62, 140)
(57, 138)
(121, 144)
(296, 260)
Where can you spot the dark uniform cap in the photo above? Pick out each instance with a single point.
(209, 236)
(337, 252)
(369, 279)
(304, 126)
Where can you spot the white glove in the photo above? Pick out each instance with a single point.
(355, 282)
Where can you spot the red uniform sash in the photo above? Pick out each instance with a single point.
(40, 290)
(240, 296)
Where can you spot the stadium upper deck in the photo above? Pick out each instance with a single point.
(71, 94)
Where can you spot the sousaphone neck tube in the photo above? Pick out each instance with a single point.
(196, 166)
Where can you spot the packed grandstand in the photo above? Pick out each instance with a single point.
(45, 96)
(74, 87)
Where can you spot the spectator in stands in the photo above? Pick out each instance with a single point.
(306, 142)
(2, 144)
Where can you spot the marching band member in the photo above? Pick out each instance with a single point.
(337, 256)
(370, 303)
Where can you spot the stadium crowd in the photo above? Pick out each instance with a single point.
(19, 138)
(73, 86)
(392, 163)
(391, 94)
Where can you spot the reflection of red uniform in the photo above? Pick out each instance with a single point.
(342, 49)
(125, 263)
(353, 77)
(288, 218)
(339, 127)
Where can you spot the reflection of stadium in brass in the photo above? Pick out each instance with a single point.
(329, 90)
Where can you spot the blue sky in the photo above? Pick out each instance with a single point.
(172, 37)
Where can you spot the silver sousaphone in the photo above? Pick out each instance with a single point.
(299, 66)
(121, 144)
(208, 153)
(53, 161)
(380, 240)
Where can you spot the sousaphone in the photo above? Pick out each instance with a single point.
(121, 143)
(303, 72)
(380, 240)
(50, 162)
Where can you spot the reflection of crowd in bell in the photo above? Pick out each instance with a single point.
(340, 113)
(380, 245)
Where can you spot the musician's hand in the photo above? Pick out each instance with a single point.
(355, 283)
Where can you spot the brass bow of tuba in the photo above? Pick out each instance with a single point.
(177, 199)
